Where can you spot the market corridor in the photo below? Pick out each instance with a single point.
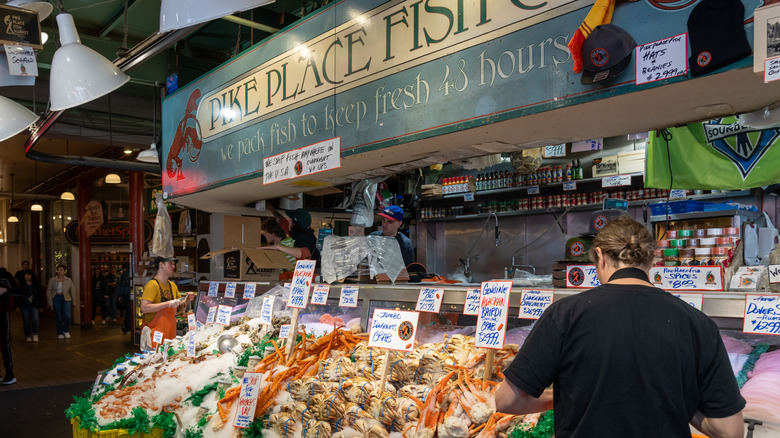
(50, 372)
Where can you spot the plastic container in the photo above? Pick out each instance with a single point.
(686, 257)
(693, 242)
(707, 242)
(671, 234)
(685, 233)
(720, 256)
(672, 257)
(663, 244)
(659, 257)
(731, 232)
(112, 433)
(702, 256)
(724, 242)
(714, 232)
(678, 243)
(700, 232)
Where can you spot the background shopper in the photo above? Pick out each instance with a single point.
(8, 291)
(30, 304)
(59, 293)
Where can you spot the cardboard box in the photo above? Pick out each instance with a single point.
(250, 264)
(631, 162)
(242, 232)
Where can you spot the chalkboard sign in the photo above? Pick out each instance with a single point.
(20, 27)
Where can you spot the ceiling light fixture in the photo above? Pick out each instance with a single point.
(14, 118)
(177, 14)
(78, 73)
(43, 9)
(150, 155)
(36, 206)
(113, 178)
(12, 219)
(67, 196)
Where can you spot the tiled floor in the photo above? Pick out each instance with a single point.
(52, 362)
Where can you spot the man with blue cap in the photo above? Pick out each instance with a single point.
(392, 217)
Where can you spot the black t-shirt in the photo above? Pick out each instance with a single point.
(627, 361)
(308, 240)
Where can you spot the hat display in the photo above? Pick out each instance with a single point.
(717, 35)
(300, 216)
(393, 212)
(606, 53)
(599, 218)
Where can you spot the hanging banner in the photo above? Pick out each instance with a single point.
(737, 157)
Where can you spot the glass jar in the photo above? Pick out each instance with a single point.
(703, 256)
(659, 257)
(678, 243)
(672, 257)
(685, 233)
(714, 232)
(707, 242)
(720, 256)
(686, 256)
(663, 244)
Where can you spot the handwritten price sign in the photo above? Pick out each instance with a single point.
(191, 323)
(267, 311)
(393, 329)
(429, 299)
(533, 302)
(191, 344)
(230, 289)
(320, 294)
(662, 59)
(471, 306)
(249, 290)
(687, 277)
(693, 300)
(212, 316)
(762, 314)
(493, 307)
(349, 296)
(213, 288)
(247, 400)
(223, 315)
(301, 283)
(284, 331)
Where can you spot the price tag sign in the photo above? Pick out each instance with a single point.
(687, 277)
(230, 289)
(284, 331)
(192, 324)
(581, 276)
(774, 274)
(199, 325)
(223, 314)
(320, 294)
(616, 181)
(191, 344)
(493, 313)
(267, 311)
(429, 299)
(249, 290)
(677, 194)
(247, 400)
(533, 302)
(568, 186)
(468, 196)
(533, 190)
(762, 314)
(349, 296)
(771, 69)
(301, 284)
(157, 337)
(393, 329)
(662, 59)
(594, 144)
(557, 150)
(471, 306)
(694, 300)
(96, 385)
(213, 288)
(212, 316)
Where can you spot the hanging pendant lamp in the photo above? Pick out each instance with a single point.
(14, 118)
(67, 196)
(12, 219)
(36, 206)
(78, 73)
(43, 9)
(176, 14)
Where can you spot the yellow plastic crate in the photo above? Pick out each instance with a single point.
(113, 433)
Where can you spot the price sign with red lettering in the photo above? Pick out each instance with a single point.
(493, 313)
(247, 400)
(301, 283)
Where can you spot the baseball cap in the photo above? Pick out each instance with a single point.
(159, 259)
(393, 212)
(717, 35)
(606, 53)
(300, 216)
(599, 218)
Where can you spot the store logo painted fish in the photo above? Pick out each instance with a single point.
(742, 145)
(187, 140)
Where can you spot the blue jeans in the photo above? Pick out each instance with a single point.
(62, 311)
(29, 319)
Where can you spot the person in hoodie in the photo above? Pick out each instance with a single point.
(8, 291)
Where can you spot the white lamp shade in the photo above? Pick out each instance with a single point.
(14, 118)
(149, 155)
(177, 14)
(42, 8)
(67, 196)
(78, 73)
(13, 219)
(36, 206)
(113, 178)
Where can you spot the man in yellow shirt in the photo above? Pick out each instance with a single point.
(161, 299)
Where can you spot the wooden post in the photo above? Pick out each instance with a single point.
(385, 369)
(489, 359)
(293, 332)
